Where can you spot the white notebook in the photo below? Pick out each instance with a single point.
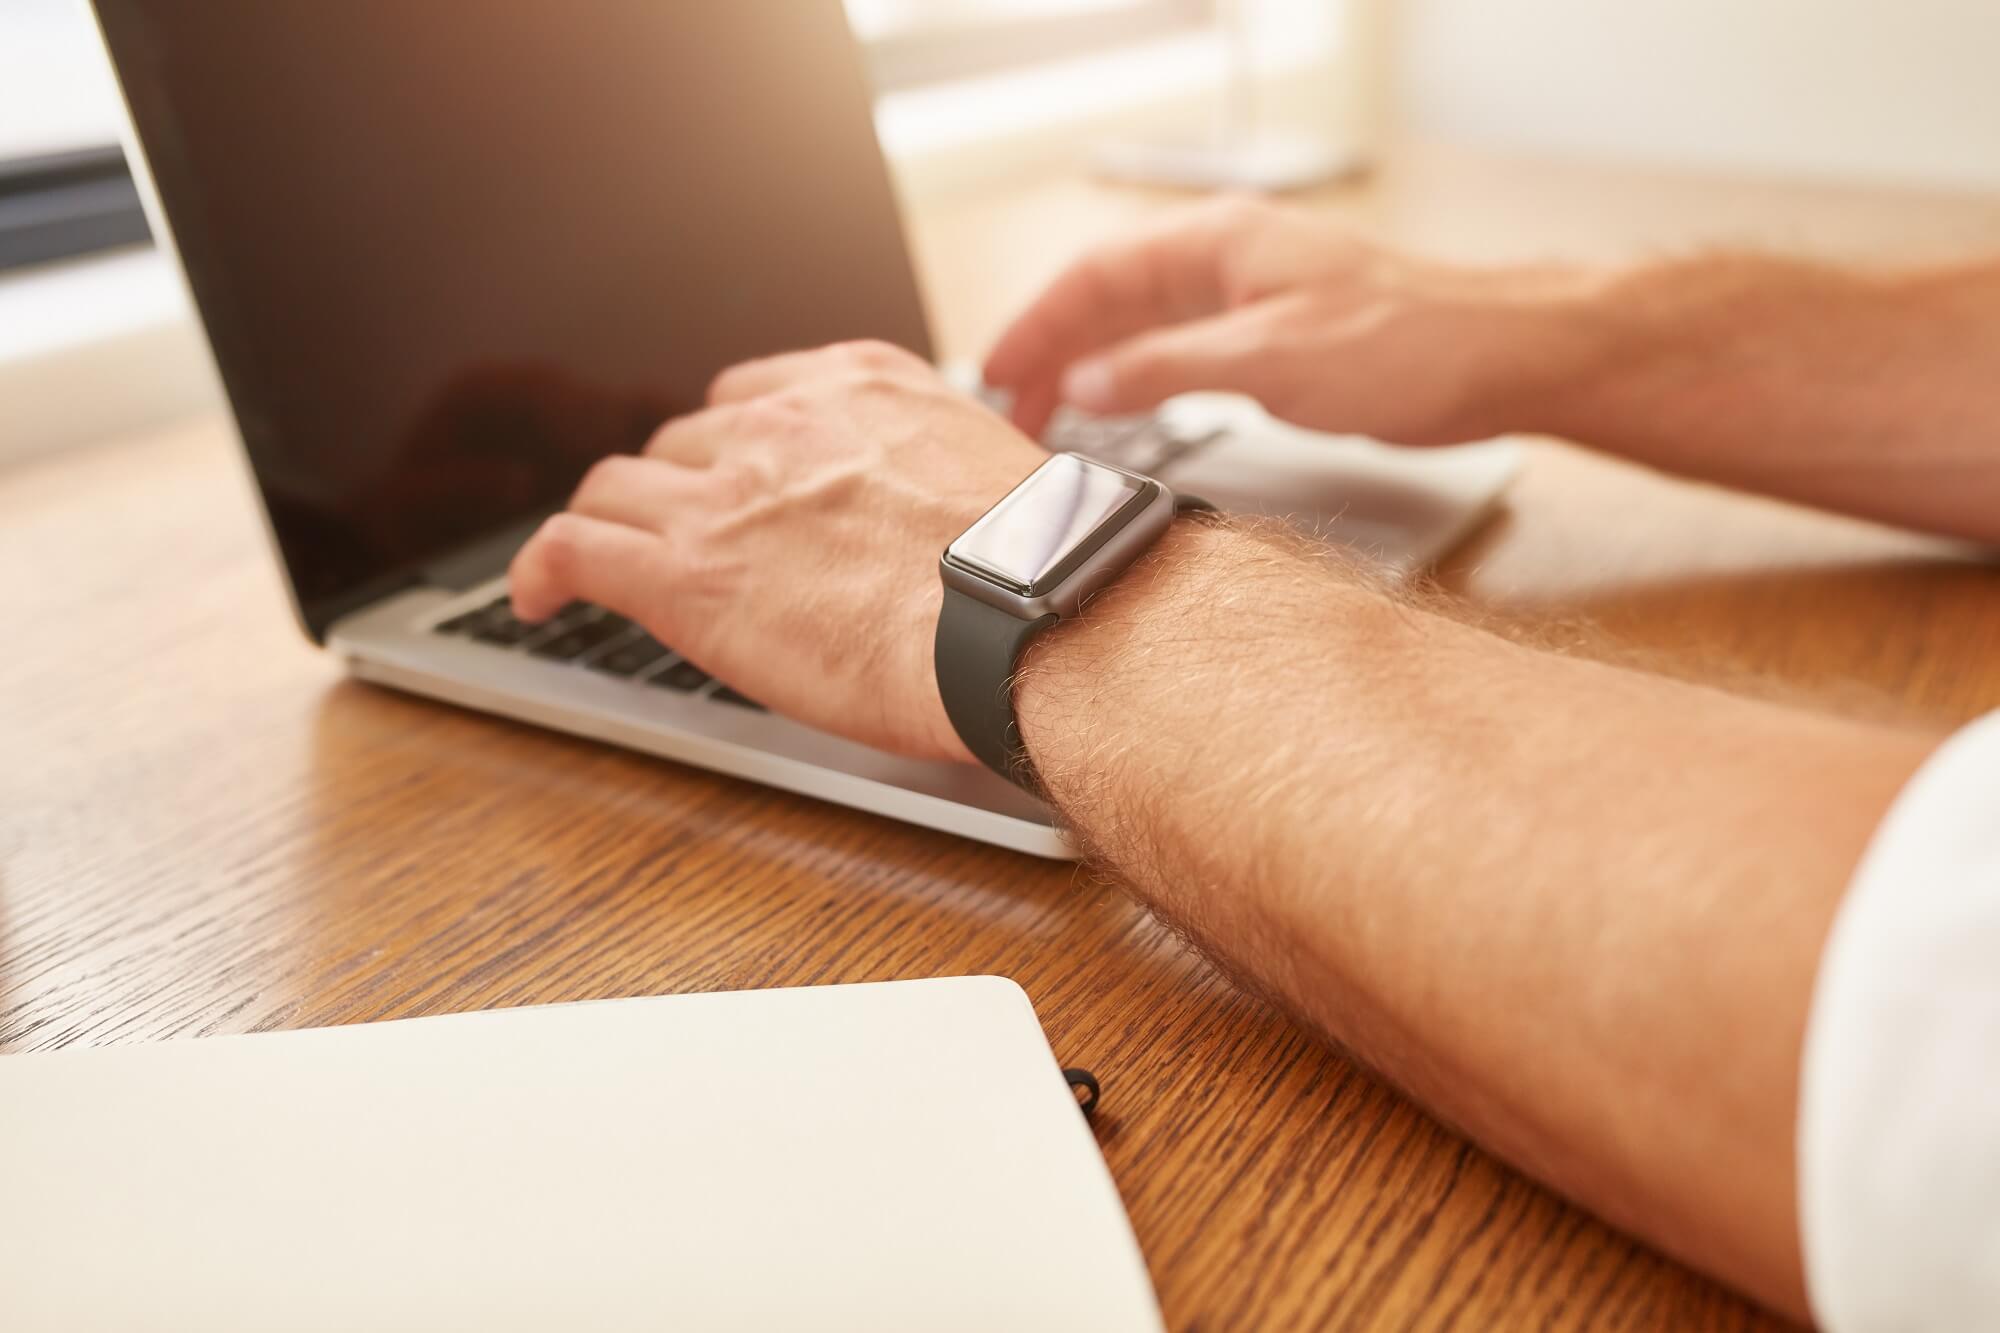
(905, 1155)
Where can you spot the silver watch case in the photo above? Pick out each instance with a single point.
(1097, 561)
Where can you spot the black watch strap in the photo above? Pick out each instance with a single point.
(976, 649)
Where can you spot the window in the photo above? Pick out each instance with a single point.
(911, 42)
(65, 190)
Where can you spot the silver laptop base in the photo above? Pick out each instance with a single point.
(1400, 507)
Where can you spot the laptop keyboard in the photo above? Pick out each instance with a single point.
(591, 637)
(1150, 445)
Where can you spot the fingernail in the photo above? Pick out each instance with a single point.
(1087, 384)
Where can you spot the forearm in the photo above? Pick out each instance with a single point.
(1869, 392)
(1575, 910)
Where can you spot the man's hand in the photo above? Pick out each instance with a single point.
(786, 539)
(1868, 391)
(1324, 329)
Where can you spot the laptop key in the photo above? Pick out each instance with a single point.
(573, 630)
(570, 644)
(682, 675)
(629, 659)
(462, 623)
(723, 694)
(502, 628)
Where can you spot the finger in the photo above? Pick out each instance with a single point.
(1033, 406)
(1168, 275)
(638, 492)
(737, 433)
(1233, 351)
(576, 557)
(772, 374)
(692, 441)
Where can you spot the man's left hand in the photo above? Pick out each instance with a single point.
(786, 539)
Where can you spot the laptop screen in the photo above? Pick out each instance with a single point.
(450, 253)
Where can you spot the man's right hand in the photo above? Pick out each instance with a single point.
(1325, 329)
(1862, 390)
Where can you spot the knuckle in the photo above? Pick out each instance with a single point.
(559, 542)
(686, 435)
(680, 548)
(701, 561)
(776, 416)
(735, 482)
(874, 353)
(876, 382)
(724, 381)
(603, 475)
(660, 439)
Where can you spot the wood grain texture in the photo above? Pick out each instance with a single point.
(205, 829)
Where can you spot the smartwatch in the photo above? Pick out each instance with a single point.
(1067, 531)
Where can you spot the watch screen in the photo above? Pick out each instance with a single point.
(1044, 520)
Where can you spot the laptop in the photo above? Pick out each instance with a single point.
(449, 254)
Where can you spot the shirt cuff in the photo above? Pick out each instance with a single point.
(1899, 1098)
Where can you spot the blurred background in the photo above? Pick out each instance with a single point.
(1835, 101)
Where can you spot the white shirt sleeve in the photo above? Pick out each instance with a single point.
(1899, 1102)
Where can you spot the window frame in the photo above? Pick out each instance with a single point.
(968, 49)
(61, 205)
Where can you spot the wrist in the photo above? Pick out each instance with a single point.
(1703, 335)
(1153, 658)
(1160, 589)
(1509, 345)
(1541, 332)
(1083, 681)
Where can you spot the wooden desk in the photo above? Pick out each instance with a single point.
(204, 829)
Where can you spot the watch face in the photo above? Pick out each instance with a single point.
(1027, 539)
